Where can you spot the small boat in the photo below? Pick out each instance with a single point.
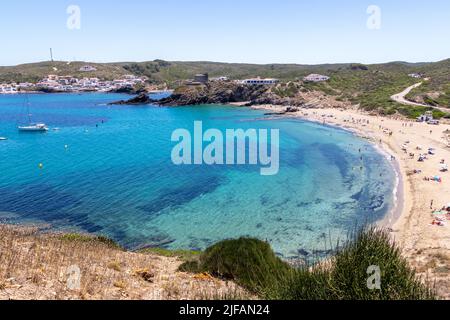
(39, 127)
(32, 127)
(3, 138)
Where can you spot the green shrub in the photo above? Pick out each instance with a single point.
(76, 237)
(249, 262)
(186, 255)
(373, 247)
(302, 284)
(414, 112)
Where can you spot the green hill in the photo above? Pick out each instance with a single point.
(35, 71)
(164, 71)
(370, 86)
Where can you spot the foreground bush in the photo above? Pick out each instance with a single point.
(249, 262)
(347, 274)
(253, 265)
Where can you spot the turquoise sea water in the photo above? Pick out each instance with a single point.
(117, 179)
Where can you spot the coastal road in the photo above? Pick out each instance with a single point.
(400, 98)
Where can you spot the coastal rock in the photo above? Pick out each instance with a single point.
(130, 90)
(303, 252)
(219, 92)
(292, 109)
(141, 99)
(215, 93)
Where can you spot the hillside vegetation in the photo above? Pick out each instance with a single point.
(436, 91)
(369, 86)
(36, 71)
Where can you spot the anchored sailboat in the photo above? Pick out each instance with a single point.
(32, 127)
(40, 127)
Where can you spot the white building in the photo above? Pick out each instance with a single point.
(8, 89)
(259, 81)
(427, 117)
(71, 84)
(316, 78)
(25, 85)
(415, 75)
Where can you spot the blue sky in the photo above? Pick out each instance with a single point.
(253, 31)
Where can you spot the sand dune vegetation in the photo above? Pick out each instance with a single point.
(36, 265)
(345, 276)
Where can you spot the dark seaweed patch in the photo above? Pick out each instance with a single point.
(336, 156)
(37, 201)
(170, 198)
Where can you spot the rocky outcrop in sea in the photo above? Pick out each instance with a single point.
(141, 99)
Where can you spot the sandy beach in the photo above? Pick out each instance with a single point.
(424, 244)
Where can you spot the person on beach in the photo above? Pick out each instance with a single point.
(431, 205)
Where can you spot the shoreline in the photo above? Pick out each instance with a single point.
(425, 244)
(409, 220)
(400, 205)
(396, 211)
(80, 92)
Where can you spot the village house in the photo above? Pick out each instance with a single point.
(416, 75)
(316, 78)
(8, 88)
(71, 84)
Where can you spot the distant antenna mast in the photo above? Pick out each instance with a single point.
(51, 54)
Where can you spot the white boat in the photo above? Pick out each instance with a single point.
(3, 138)
(39, 127)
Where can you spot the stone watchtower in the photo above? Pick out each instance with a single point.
(202, 78)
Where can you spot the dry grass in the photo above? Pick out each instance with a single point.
(434, 264)
(44, 266)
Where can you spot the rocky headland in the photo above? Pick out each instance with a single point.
(290, 95)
